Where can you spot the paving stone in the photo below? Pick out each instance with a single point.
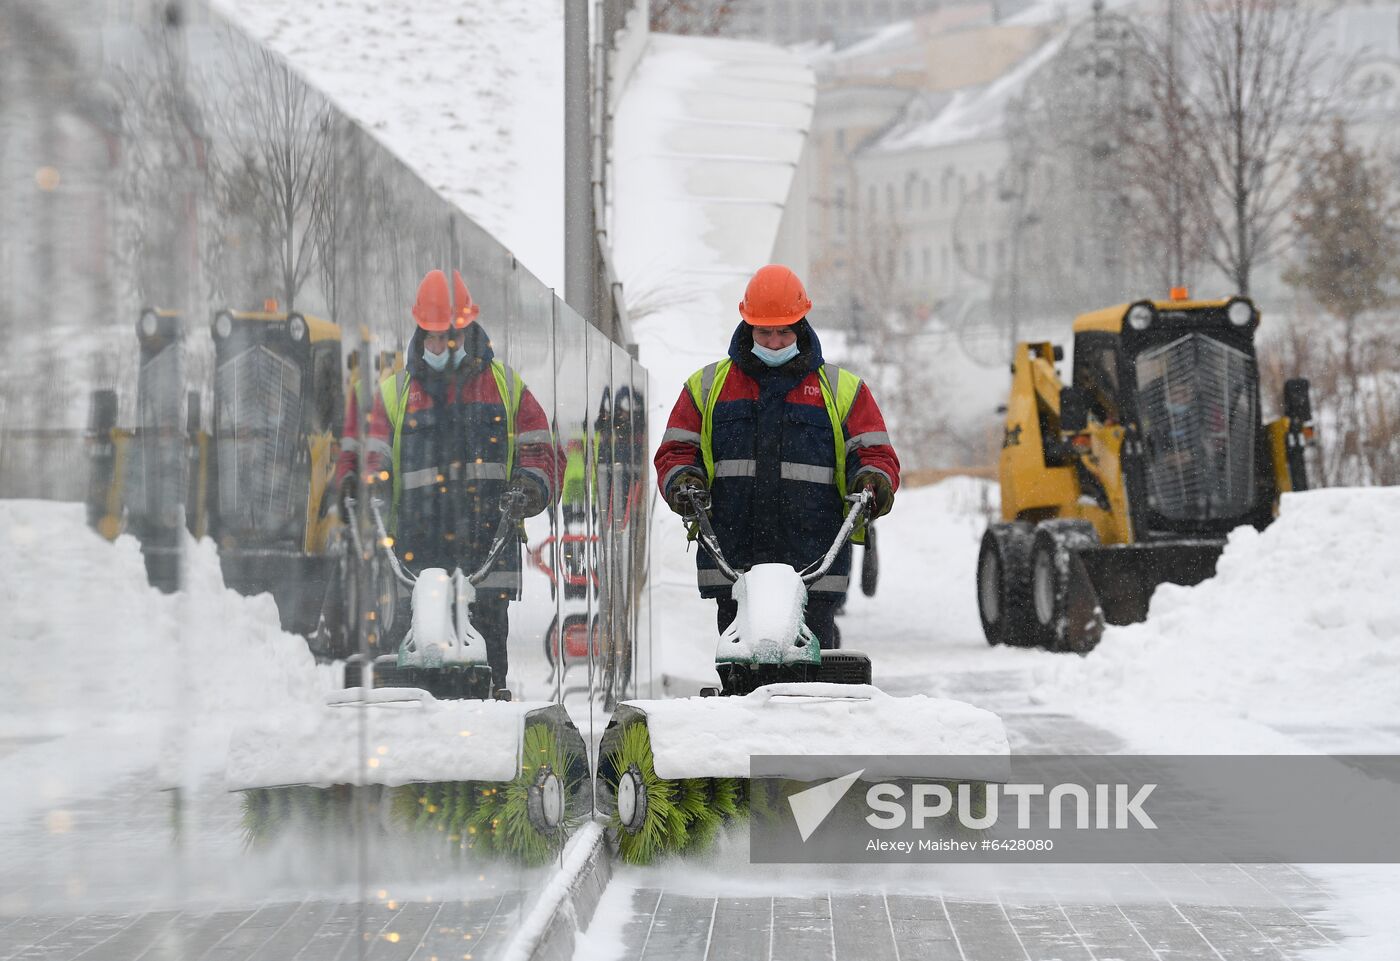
(634, 934)
(680, 929)
(1107, 934)
(456, 930)
(350, 925)
(28, 931)
(926, 939)
(741, 929)
(861, 928)
(191, 935)
(1045, 933)
(1171, 936)
(1292, 940)
(252, 934)
(801, 929)
(132, 940)
(499, 927)
(1229, 933)
(401, 936)
(983, 931)
(915, 908)
(74, 939)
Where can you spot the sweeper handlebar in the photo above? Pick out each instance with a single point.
(697, 501)
(512, 505)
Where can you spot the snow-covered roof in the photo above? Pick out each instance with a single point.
(468, 94)
(973, 113)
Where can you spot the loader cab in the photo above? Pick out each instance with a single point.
(279, 407)
(1181, 377)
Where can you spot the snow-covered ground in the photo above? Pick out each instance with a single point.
(118, 678)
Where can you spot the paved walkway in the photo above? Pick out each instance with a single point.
(51, 880)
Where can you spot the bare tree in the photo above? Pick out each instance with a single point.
(705, 18)
(1072, 211)
(1258, 94)
(1159, 138)
(278, 133)
(1349, 247)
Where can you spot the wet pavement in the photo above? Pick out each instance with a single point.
(115, 880)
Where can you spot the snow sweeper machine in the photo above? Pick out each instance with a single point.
(420, 732)
(670, 772)
(1132, 474)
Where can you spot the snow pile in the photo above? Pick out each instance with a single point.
(320, 744)
(108, 677)
(1301, 624)
(719, 736)
(98, 642)
(469, 95)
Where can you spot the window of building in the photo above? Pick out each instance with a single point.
(1001, 255)
(838, 203)
(943, 262)
(981, 183)
(928, 263)
(870, 202)
(908, 264)
(943, 187)
(982, 258)
(841, 139)
(928, 194)
(908, 191)
(889, 199)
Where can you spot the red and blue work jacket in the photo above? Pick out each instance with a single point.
(451, 443)
(780, 446)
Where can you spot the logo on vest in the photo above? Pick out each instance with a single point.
(812, 390)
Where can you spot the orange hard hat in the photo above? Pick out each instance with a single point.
(435, 311)
(774, 298)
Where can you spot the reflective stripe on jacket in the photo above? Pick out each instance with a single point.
(780, 448)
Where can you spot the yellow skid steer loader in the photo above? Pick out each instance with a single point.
(1133, 474)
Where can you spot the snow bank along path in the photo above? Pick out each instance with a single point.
(1300, 624)
(127, 678)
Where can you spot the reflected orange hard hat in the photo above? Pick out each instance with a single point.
(774, 298)
(436, 311)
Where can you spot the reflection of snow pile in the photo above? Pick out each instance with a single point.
(94, 645)
(1301, 623)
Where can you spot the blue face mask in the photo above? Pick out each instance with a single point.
(775, 358)
(436, 361)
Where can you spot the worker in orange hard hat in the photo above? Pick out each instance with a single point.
(778, 436)
(454, 431)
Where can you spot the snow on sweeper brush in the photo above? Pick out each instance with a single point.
(492, 775)
(670, 772)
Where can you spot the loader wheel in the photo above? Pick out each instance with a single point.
(1003, 584)
(1055, 594)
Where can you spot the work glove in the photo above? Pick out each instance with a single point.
(533, 499)
(349, 490)
(684, 481)
(881, 494)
